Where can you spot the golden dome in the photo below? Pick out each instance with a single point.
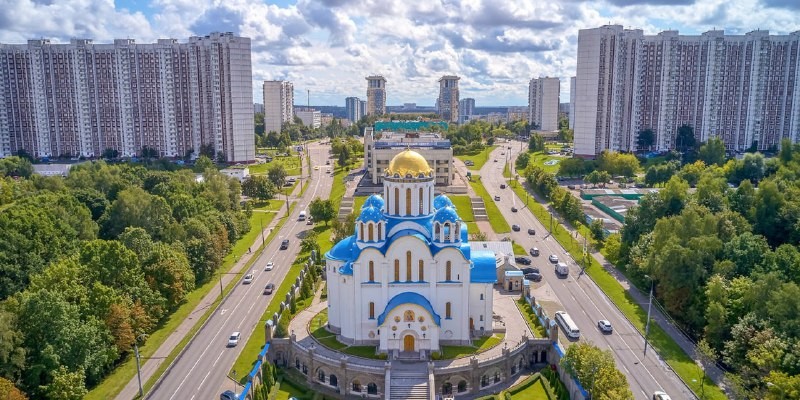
(408, 162)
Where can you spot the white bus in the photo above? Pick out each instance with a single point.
(569, 326)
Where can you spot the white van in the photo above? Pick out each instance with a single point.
(302, 216)
(570, 328)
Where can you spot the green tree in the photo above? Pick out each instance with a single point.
(536, 143)
(137, 208)
(203, 163)
(67, 385)
(597, 372)
(258, 187)
(12, 353)
(645, 139)
(344, 159)
(522, 160)
(10, 392)
(309, 242)
(16, 167)
(343, 228)
(322, 210)
(598, 230)
(685, 140)
(596, 177)
(573, 166)
(258, 121)
(277, 175)
(691, 172)
(712, 152)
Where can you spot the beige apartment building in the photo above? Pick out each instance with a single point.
(543, 99)
(380, 148)
(278, 104)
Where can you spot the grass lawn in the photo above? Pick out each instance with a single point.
(327, 339)
(533, 322)
(291, 164)
(364, 352)
(496, 220)
(464, 208)
(478, 158)
(479, 346)
(539, 158)
(506, 172)
(288, 389)
(518, 249)
(535, 391)
(126, 371)
(358, 201)
(667, 348)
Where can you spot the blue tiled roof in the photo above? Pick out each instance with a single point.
(374, 201)
(442, 201)
(370, 214)
(409, 298)
(446, 214)
(345, 250)
(483, 267)
(346, 269)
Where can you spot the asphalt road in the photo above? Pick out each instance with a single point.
(580, 296)
(201, 372)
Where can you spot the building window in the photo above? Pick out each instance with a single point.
(397, 270)
(481, 319)
(420, 201)
(396, 201)
(408, 266)
(369, 232)
(380, 231)
(372, 273)
(447, 310)
(361, 225)
(448, 271)
(408, 201)
(481, 293)
(421, 271)
(371, 310)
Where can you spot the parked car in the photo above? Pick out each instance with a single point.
(248, 279)
(534, 276)
(659, 395)
(534, 251)
(270, 265)
(269, 288)
(522, 260)
(327, 162)
(495, 160)
(553, 258)
(605, 326)
(502, 186)
(531, 231)
(285, 244)
(229, 395)
(496, 198)
(515, 228)
(233, 340)
(530, 270)
(514, 209)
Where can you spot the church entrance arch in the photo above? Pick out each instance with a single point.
(408, 343)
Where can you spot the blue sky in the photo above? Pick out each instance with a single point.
(329, 46)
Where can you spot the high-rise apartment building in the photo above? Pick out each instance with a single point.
(572, 103)
(543, 99)
(310, 117)
(363, 107)
(466, 109)
(278, 104)
(81, 98)
(447, 103)
(376, 95)
(353, 108)
(740, 88)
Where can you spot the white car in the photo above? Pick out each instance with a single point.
(605, 326)
(234, 339)
(553, 258)
(248, 279)
(270, 265)
(659, 395)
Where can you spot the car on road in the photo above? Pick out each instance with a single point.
(515, 228)
(285, 244)
(605, 326)
(495, 160)
(553, 258)
(316, 168)
(530, 270)
(514, 209)
(229, 395)
(248, 279)
(531, 231)
(269, 288)
(534, 276)
(496, 198)
(233, 340)
(534, 251)
(502, 186)
(469, 163)
(329, 171)
(327, 162)
(270, 265)
(659, 395)
(522, 260)
(502, 153)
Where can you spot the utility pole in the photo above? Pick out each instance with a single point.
(138, 369)
(649, 306)
(262, 231)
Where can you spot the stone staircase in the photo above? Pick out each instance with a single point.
(479, 209)
(409, 385)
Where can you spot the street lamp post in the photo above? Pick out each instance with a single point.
(138, 365)
(262, 231)
(649, 306)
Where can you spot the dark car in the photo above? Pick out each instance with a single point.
(502, 186)
(229, 395)
(285, 244)
(534, 276)
(269, 288)
(522, 260)
(514, 209)
(531, 231)
(515, 228)
(530, 270)
(534, 251)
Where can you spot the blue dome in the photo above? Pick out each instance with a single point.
(442, 201)
(446, 214)
(374, 201)
(370, 214)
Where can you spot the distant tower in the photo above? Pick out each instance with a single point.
(447, 103)
(543, 98)
(466, 108)
(376, 95)
(353, 107)
(278, 104)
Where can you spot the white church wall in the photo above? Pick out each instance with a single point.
(480, 307)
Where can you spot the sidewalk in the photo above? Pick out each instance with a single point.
(151, 364)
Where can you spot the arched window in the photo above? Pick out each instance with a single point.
(481, 293)
(462, 386)
(396, 201)
(371, 310)
(437, 228)
(397, 270)
(447, 310)
(408, 201)
(321, 376)
(372, 388)
(408, 266)
(372, 271)
(447, 388)
(481, 318)
(369, 232)
(380, 231)
(421, 202)
(448, 271)
(421, 271)
(334, 381)
(357, 386)
(361, 225)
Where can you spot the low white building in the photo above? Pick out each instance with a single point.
(240, 173)
(407, 280)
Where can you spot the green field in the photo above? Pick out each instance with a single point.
(496, 220)
(478, 158)
(464, 208)
(539, 159)
(290, 163)
(116, 381)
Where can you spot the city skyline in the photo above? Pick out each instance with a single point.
(328, 48)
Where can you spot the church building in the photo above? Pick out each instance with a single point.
(406, 280)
